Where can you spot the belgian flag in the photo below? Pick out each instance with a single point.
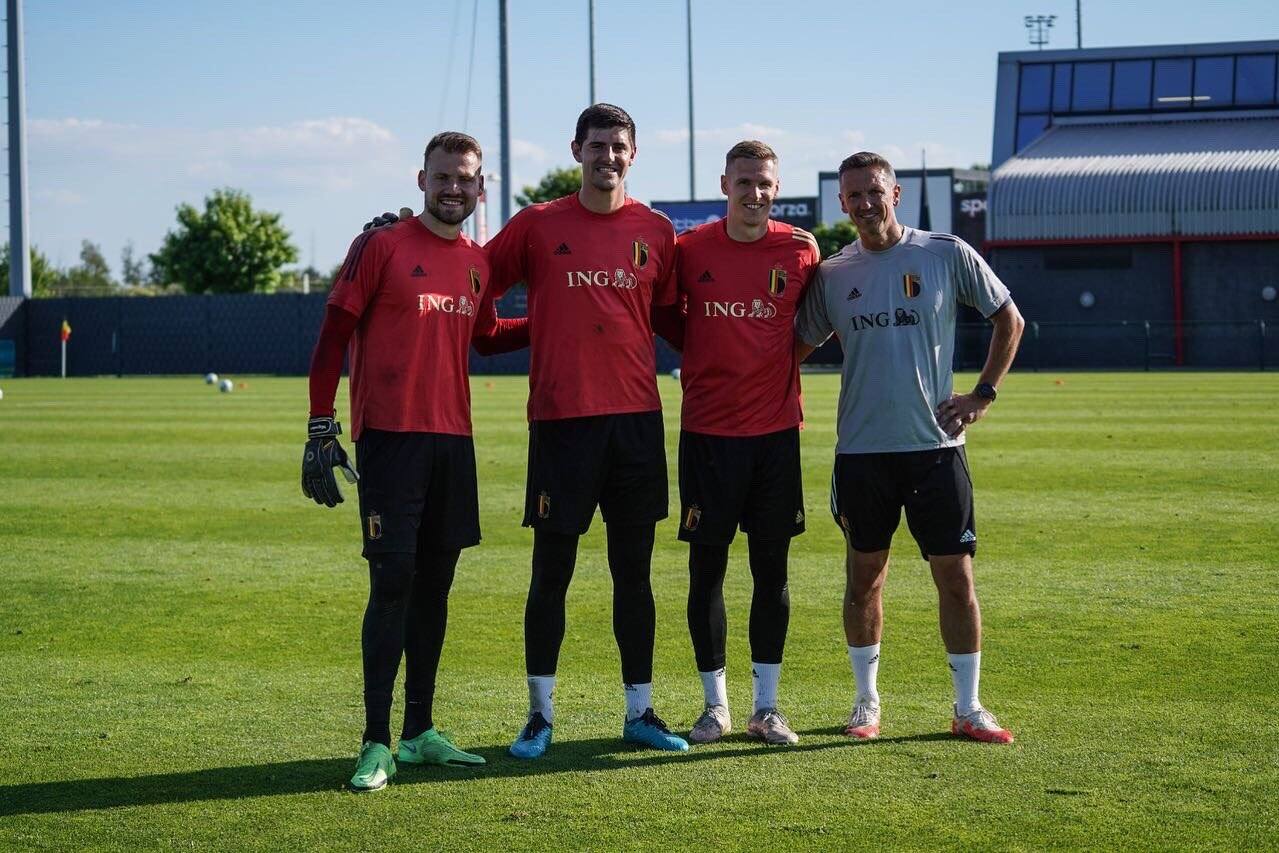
(910, 285)
(476, 285)
(639, 254)
(776, 281)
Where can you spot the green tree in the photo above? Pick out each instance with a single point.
(832, 238)
(133, 270)
(556, 183)
(227, 248)
(44, 275)
(90, 277)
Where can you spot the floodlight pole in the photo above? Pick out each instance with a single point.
(1037, 27)
(504, 107)
(19, 247)
(590, 17)
(692, 157)
(1079, 24)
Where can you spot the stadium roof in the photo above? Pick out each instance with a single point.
(1138, 179)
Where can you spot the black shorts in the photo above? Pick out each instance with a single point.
(617, 462)
(417, 489)
(869, 490)
(752, 481)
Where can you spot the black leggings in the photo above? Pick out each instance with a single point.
(770, 601)
(630, 557)
(406, 616)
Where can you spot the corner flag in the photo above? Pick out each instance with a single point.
(65, 331)
(65, 334)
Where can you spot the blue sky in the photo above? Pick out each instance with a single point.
(320, 109)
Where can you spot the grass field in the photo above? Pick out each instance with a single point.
(179, 659)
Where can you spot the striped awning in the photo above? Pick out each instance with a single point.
(1156, 179)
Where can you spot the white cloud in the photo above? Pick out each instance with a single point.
(522, 149)
(333, 153)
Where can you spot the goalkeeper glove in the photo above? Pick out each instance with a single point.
(321, 456)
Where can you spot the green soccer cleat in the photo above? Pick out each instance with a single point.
(434, 747)
(373, 769)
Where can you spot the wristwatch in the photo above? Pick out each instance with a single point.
(986, 391)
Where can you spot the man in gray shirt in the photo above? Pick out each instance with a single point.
(892, 298)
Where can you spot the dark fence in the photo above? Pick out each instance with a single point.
(275, 334)
(235, 334)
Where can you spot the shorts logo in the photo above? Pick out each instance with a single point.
(843, 522)
(373, 525)
(799, 517)
(910, 285)
(968, 536)
(639, 254)
(544, 505)
(776, 281)
(476, 284)
(692, 517)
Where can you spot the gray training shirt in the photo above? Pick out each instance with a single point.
(894, 312)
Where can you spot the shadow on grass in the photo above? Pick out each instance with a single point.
(330, 774)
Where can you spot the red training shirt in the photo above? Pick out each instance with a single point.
(417, 297)
(592, 279)
(740, 376)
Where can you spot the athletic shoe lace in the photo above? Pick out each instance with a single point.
(981, 719)
(863, 714)
(535, 724)
(773, 717)
(655, 721)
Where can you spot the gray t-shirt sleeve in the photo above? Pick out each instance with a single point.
(976, 284)
(812, 324)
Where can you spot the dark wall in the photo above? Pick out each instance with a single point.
(1132, 286)
(272, 333)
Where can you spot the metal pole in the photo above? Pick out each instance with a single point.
(692, 165)
(19, 247)
(1079, 25)
(590, 17)
(504, 107)
(1261, 327)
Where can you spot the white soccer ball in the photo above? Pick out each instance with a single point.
(225, 386)
(210, 379)
(675, 374)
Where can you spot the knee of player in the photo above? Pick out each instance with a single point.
(390, 577)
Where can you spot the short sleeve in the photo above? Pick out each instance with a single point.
(361, 274)
(976, 284)
(508, 254)
(812, 324)
(667, 285)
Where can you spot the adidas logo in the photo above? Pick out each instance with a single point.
(854, 294)
(968, 536)
(418, 272)
(705, 277)
(563, 249)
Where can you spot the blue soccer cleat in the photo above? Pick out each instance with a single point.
(649, 730)
(534, 738)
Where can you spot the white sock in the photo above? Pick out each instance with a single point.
(766, 676)
(865, 663)
(540, 690)
(965, 673)
(639, 698)
(715, 687)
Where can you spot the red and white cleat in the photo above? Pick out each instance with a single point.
(863, 723)
(979, 724)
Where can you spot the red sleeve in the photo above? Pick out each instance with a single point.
(664, 289)
(508, 254)
(326, 361)
(493, 335)
(361, 274)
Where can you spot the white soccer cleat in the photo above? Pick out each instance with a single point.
(712, 725)
(979, 724)
(863, 723)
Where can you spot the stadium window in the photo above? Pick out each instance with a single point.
(1132, 85)
(1035, 89)
(1255, 79)
(1061, 87)
(1092, 87)
(1030, 128)
(1214, 81)
(1172, 84)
